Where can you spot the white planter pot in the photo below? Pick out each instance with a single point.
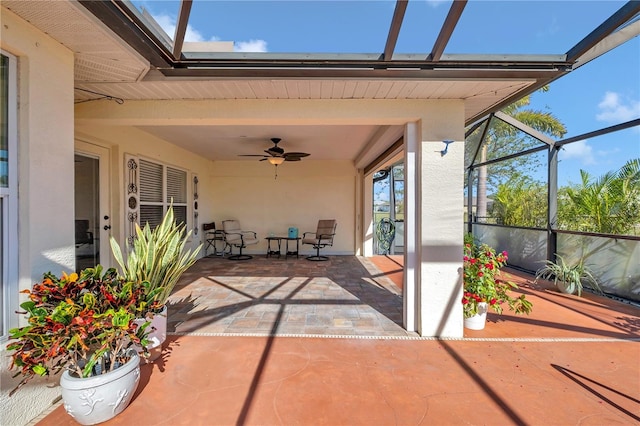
(157, 334)
(567, 288)
(478, 321)
(97, 399)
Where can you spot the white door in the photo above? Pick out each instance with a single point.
(92, 208)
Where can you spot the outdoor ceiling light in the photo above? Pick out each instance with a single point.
(276, 161)
(446, 147)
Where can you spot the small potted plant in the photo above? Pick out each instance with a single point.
(568, 278)
(83, 326)
(483, 289)
(157, 258)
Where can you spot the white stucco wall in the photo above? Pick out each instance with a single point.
(303, 193)
(45, 176)
(122, 140)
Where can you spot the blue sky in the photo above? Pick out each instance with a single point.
(599, 94)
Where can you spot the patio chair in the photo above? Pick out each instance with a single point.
(234, 236)
(323, 237)
(213, 238)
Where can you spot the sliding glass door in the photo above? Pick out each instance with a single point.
(92, 213)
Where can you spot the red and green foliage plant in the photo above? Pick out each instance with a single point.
(84, 324)
(482, 282)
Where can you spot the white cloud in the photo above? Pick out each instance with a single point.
(168, 24)
(614, 109)
(581, 151)
(250, 46)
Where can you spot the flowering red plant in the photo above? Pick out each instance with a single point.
(481, 266)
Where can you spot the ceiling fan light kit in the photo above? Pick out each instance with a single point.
(276, 161)
(277, 156)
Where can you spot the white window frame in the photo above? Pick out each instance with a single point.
(9, 195)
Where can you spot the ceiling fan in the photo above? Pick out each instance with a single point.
(276, 155)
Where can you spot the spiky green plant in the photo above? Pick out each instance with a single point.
(157, 256)
(560, 271)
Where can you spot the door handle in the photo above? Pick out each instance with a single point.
(106, 227)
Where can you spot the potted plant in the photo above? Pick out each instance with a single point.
(482, 287)
(157, 258)
(568, 278)
(83, 326)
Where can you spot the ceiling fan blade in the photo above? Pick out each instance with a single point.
(276, 152)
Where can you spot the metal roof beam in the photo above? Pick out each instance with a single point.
(474, 126)
(482, 137)
(610, 129)
(394, 29)
(345, 72)
(408, 58)
(624, 14)
(609, 43)
(181, 27)
(447, 29)
(524, 128)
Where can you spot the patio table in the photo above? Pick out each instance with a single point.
(272, 251)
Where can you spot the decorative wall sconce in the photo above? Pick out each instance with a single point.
(446, 147)
(195, 205)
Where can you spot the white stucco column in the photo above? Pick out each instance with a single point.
(412, 244)
(434, 223)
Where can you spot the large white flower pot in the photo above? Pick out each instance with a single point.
(157, 334)
(99, 398)
(477, 321)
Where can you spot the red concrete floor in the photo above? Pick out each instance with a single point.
(573, 361)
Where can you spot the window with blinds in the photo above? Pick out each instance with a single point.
(159, 185)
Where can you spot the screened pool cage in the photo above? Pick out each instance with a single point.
(518, 205)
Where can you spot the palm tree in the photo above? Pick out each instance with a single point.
(504, 139)
(609, 204)
(520, 201)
